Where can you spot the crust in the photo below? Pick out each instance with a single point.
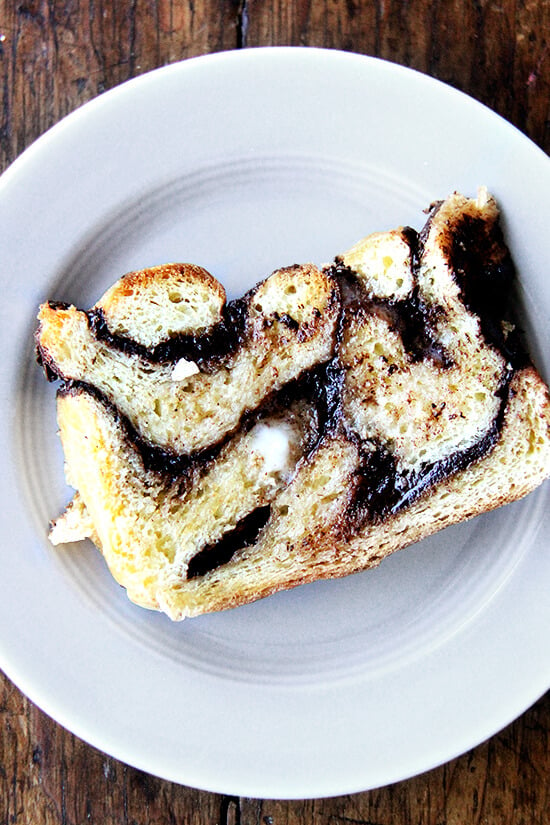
(180, 299)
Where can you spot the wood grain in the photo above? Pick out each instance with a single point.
(496, 52)
(57, 54)
(49, 776)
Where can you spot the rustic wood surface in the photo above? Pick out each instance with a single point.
(57, 54)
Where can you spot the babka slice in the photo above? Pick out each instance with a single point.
(386, 397)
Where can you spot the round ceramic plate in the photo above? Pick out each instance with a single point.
(243, 162)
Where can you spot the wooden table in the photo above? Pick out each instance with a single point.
(56, 55)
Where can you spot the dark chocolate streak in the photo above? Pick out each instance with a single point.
(319, 386)
(208, 349)
(174, 468)
(382, 490)
(244, 534)
(411, 317)
(485, 273)
(212, 346)
(322, 387)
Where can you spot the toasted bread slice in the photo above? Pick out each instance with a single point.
(421, 410)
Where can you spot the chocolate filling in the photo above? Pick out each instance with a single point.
(410, 317)
(214, 345)
(175, 468)
(244, 534)
(382, 489)
(485, 273)
(322, 388)
(209, 348)
(319, 387)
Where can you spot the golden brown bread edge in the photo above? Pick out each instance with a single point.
(312, 531)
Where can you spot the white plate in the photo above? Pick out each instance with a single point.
(243, 162)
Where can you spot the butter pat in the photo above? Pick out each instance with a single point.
(272, 443)
(184, 369)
